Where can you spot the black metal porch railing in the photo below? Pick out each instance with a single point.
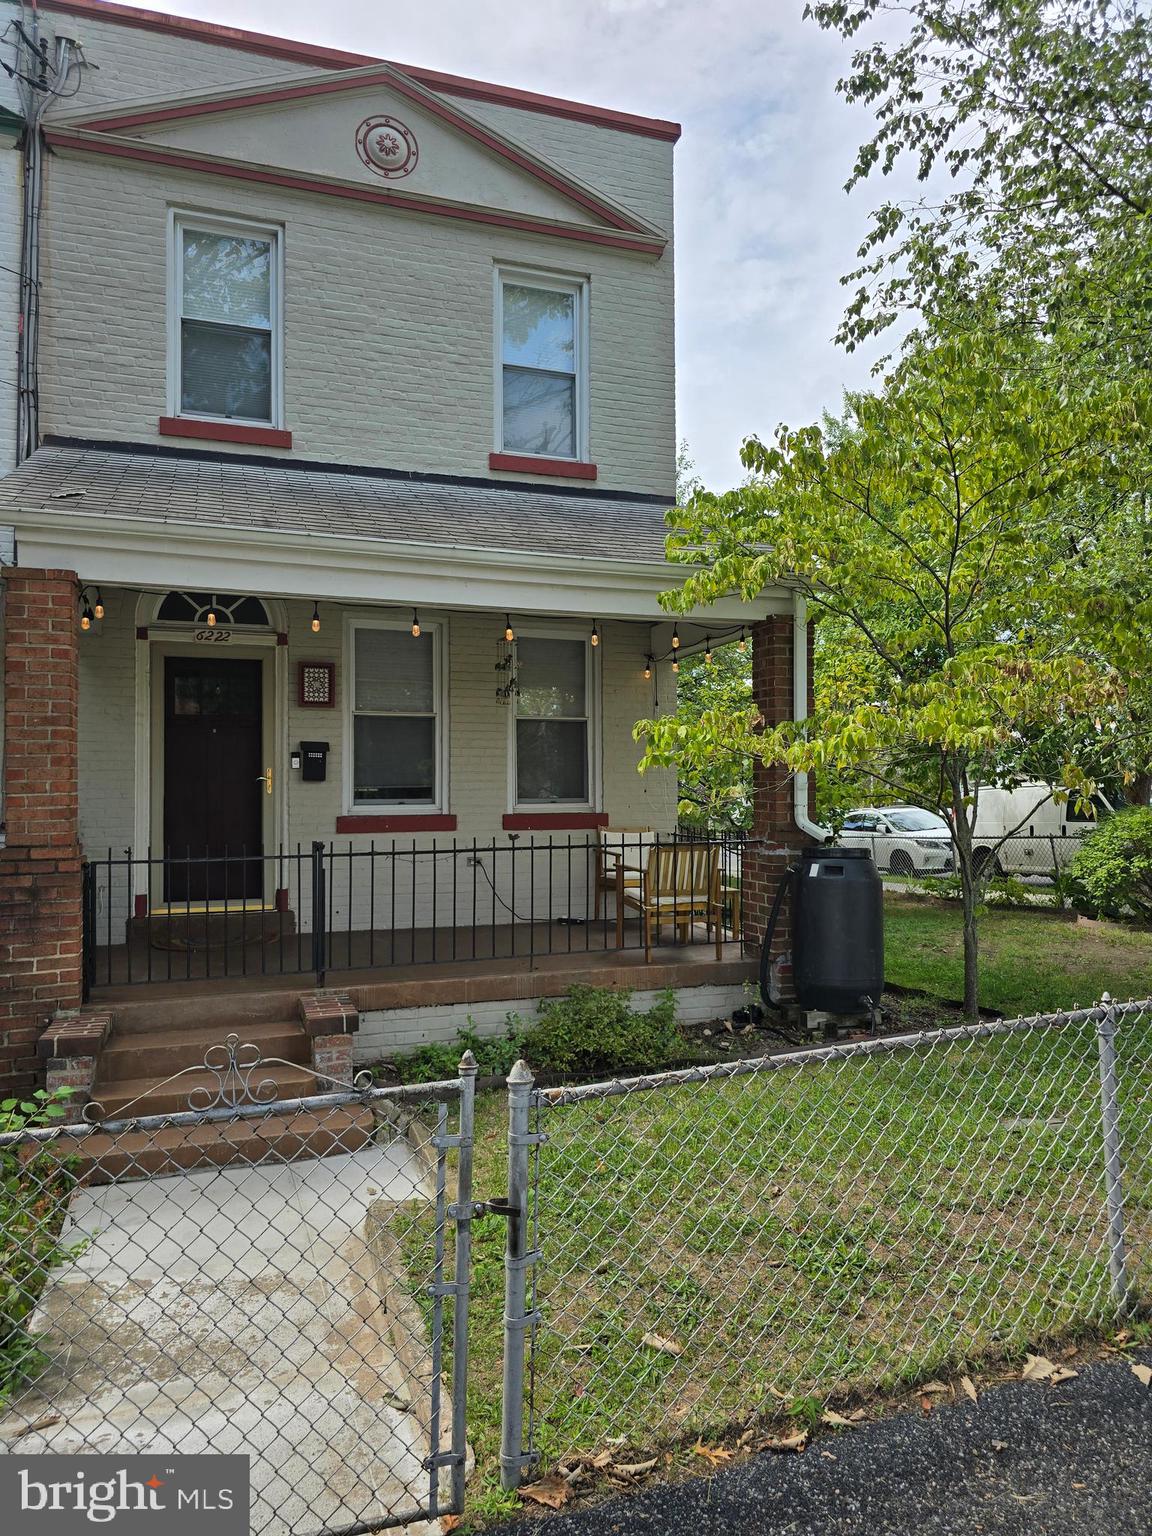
(339, 907)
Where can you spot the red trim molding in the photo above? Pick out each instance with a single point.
(398, 823)
(121, 122)
(403, 202)
(338, 58)
(554, 821)
(223, 432)
(524, 464)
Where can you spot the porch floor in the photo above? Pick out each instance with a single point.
(426, 966)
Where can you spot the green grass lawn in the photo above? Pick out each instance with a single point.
(1031, 961)
(806, 1236)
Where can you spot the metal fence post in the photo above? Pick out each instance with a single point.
(462, 1277)
(513, 1457)
(1113, 1164)
(319, 913)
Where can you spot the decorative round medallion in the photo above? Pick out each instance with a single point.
(387, 147)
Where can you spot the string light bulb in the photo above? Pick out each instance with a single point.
(86, 618)
(741, 644)
(315, 618)
(675, 638)
(648, 666)
(509, 632)
(595, 633)
(415, 625)
(708, 650)
(676, 664)
(99, 611)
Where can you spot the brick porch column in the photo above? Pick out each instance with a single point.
(40, 883)
(776, 840)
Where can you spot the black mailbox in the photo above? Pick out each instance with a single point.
(314, 761)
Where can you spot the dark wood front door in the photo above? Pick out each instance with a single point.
(213, 759)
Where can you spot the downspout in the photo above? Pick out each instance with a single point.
(800, 815)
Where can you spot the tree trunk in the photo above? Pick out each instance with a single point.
(970, 886)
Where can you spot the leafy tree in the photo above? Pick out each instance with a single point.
(716, 791)
(1037, 115)
(926, 531)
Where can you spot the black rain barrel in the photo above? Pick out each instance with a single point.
(837, 930)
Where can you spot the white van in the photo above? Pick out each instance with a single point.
(1044, 833)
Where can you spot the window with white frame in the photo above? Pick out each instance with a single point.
(541, 378)
(225, 342)
(396, 716)
(553, 759)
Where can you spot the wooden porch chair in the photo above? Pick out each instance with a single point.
(621, 854)
(680, 884)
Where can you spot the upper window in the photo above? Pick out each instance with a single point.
(542, 390)
(226, 303)
(552, 746)
(396, 724)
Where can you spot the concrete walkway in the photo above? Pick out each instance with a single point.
(239, 1310)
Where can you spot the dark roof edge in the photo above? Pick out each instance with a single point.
(268, 461)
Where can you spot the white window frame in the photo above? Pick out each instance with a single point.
(214, 224)
(591, 717)
(437, 630)
(578, 286)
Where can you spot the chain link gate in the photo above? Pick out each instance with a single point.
(282, 1278)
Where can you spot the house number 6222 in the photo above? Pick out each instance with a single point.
(213, 636)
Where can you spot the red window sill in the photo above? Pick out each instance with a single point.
(554, 821)
(401, 823)
(224, 432)
(562, 469)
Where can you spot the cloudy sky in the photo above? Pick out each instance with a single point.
(764, 228)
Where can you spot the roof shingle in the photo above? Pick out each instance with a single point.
(276, 497)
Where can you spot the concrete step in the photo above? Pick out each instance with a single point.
(158, 1053)
(269, 1139)
(144, 1010)
(150, 1096)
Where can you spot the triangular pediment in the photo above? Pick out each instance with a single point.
(375, 127)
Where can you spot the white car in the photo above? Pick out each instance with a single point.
(901, 838)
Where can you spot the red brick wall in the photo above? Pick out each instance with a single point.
(776, 840)
(40, 897)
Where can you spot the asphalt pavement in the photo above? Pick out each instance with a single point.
(1027, 1459)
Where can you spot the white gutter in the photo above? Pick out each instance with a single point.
(800, 710)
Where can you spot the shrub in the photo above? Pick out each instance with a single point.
(592, 1029)
(34, 1191)
(438, 1062)
(1111, 873)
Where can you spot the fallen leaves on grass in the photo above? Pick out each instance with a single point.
(449, 1523)
(968, 1387)
(633, 1468)
(941, 1388)
(1143, 1374)
(839, 1421)
(715, 1455)
(783, 1443)
(552, 1491)
(665, 1346)
(1040, 1368)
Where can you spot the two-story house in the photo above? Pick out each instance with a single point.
(335, 587)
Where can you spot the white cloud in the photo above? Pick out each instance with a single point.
(764, 229)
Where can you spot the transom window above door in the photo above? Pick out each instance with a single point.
(225, 608)
(541, 376)
(225, 341)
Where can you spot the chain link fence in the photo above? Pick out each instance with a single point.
(711, 1247)
(272, 1279)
